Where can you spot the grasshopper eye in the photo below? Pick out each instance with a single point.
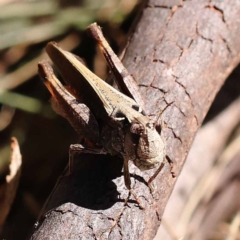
(137, 128)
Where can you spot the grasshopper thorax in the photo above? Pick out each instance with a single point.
(144, 146)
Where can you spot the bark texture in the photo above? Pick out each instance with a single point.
(180, 53)
(187, 199)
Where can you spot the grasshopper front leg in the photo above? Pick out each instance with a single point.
(127, 181)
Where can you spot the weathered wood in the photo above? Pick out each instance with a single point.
(180, 53)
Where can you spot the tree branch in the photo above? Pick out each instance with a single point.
(180, 54)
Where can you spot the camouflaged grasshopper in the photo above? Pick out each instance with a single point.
(108, 120)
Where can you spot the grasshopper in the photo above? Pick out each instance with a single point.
(109, 121)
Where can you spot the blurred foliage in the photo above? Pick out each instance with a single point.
(31, 22)
(44, 137)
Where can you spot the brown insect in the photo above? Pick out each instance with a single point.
(108, 120)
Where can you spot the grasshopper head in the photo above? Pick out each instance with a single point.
(144, 146)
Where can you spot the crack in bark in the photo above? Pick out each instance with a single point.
(174, 134)
(218, 10)
(190, 44)
(183, 49)
(158, 217)
(173, 9)
(154, 87)
(204, 38)
(151, 86)
(180, 110)
(154, 59)
(91, 228)
(117, 221)
(185, 89)
(200, 35)
(187, 93)
(226, 43)
(196, 119)
(158, 60)
(146, 199)
(160, 89)
(63, 212)
(168, 105)
(181, 53)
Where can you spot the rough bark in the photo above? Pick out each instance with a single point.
(180, 53)
(207, 146)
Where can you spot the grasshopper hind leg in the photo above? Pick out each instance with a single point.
(124, 79)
